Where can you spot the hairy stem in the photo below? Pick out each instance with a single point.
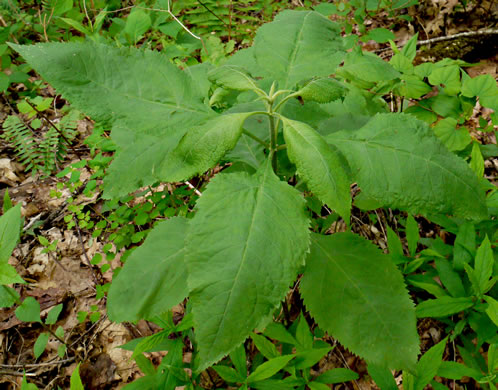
(273, 140)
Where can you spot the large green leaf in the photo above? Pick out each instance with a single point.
(367, 66)
(133, 167)
(397, 160)
(138, 92)
(322, 90)
(154, 277)
(322, 166)
(357, 294)
(233, 77)
(298, 45)
(202, 147)
(10, 230)
(110, 83)
(244, 248)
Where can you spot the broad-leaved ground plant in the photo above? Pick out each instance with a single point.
(275, 111)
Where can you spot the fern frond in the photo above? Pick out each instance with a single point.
(41, 154)
(10, 6)
(25, 144)
(67, 126)
(221, 16)
(48, 150)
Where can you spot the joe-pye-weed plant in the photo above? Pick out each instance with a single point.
(295, 104)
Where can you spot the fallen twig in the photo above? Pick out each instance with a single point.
(448, 38)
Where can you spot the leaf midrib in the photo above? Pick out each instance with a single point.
(320, 155)
(293, 54)
(427, 161)
(260, 191)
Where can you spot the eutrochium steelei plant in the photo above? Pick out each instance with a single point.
(250, 237)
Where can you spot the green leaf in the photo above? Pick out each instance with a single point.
(367, 67)
(448, 77)
(29, 310)
(239, 360)
(4, 82)
(304, 336)
(53, 314)
(322, 90)
(373, 315)
(450, 278)
(492, 310)
(307, 359)
(408, 381)
(278, 332)
(265, 346)
(8, 296)
(443, 307)
(321, 166)
(476, 160)
(59, 332)
(437, 386)
(27, 386)
(154, 278)
(298, 45)
(317, 386)
(137, 24)
(429, 364)
(269, 368)
(493, 357)
(394, 245)
(453, 138)
(454, 370)
(412, 234)
(256, 238)
(402, 64)
(482, 85)
(7, 202)
(9, 275)
(76, 25)
(229, 374)
(422, 112)
(233, 77)
(75, 381)
(149, 343)
(145, 365)
(337, 375)
(412, 87)
(474, 281)
(62, 6)
(383, 377)
(410, 48)
(380, 35)
(483, 266)
(464, 247)
(40, 344)
(397, 160)
(202, 147)
(445, 105)
(10, 229)
(149, 102)
(132, 168)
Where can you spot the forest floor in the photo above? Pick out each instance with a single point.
(64, 275)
